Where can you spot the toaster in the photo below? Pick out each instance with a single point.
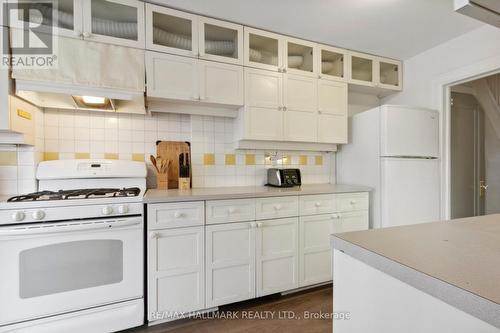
(283, 177)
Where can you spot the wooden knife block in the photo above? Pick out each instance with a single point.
(170, 150)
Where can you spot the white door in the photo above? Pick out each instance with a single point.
(352, 221)
(300, 57)
(332, 111)
(407, 131)
(54, 268)
(332, 63)
(221, 83)
(176, 271)
(315, 262)
(300, 108)
(220, 41)
(263, 49)
(118, 22)
(230, 263)
(277, 257)
(410, 191)
(172, 77)
(263, 104)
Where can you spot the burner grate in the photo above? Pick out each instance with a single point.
(78, 194)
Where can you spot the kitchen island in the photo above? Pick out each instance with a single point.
(433, 277)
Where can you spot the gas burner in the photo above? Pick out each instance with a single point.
(78, 194)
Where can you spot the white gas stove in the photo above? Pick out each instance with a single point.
(72, 253)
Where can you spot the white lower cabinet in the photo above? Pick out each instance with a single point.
(230, 263)
(176, 272)
(277, 255)
(353, 221)
(314, 248)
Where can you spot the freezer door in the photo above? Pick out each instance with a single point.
(409, 191)
(409, 132)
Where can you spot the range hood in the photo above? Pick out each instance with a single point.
(487, 11)
(45, 95)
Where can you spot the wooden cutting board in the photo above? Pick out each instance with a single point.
(171, 150)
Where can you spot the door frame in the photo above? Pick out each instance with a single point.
(441, 93)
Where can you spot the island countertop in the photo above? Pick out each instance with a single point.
(457, 261)
(219, 193)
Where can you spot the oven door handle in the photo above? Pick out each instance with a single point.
(69, 227)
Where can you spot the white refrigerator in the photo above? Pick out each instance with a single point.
(395, 150)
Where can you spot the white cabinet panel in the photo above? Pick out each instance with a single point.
(347, 202)
(171, 77)
(300, 57)
(317, 204)
(224, 211)
(353, 221)
(263, 88)
(175, 215)
(332, 110)
(221, 83)
(220, 41)
(332, 63)
(171, 31)
(276, 207)
(314, 248)
(277, 255)
(300, 102)
(263, 49)
(332, 129)
(263, 124)
(230, 263)
(176, 271)
(115, 22)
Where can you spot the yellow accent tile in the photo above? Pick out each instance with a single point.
(50, 156)
(110, 156)
(230, 159)
(24, 114)
(303, 159)
(250, 159)
(82, 156)
(138, 157)
(8, 158)
(208, 159)
(318, 160)
(287, 159)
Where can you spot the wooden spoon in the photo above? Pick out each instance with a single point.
(153, 161)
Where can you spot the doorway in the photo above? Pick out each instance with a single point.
(475, 147)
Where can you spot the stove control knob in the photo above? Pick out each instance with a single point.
(18, 216)
(107, 210)
(38, 215)
(123, 209)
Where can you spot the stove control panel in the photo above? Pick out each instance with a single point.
(18, 216)
(38, 215)
(107, 210)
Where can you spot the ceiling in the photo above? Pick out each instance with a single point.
(394, 28)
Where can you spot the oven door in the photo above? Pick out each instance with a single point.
(53, 268)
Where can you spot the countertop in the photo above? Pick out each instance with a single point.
(456, 261)
(219, 193)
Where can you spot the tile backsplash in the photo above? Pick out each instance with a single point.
(66, 134)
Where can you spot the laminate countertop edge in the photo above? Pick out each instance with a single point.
(245, 192)
(457, 297)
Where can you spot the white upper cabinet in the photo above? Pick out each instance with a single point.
(332, 63)
(332, 111)
(300, 108)
(263, 50)
(390, 74)
(300, 57)
(362, 71)
(220, 41)
(171, 31)
(220, 83)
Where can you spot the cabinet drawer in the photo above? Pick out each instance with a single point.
(175, 215)
(224, 211)
(316, 204)
(269, 208)
(352, 202)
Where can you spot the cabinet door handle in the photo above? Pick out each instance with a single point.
(259, 225)
(280, 70)
(284, 70)
(178, 215)
(280, 108)
(155, 235)
(231, 210)
(317, 204)
(277, 207)
(284, 108)
(320, 112)
(87, 34)
(353, 202)
(253, 225)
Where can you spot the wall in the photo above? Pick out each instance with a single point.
(420, 71)
(83, 134)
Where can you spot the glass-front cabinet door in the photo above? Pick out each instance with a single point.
(332, 63)
(362, 69)
(300, 57)
(65, 16)
(390, 74)
(171, 31)
(114, 21)
(263, 50)
(220, 41)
